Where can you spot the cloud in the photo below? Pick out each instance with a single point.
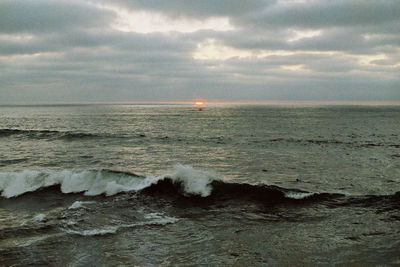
(97, 50)
(42, 16)
(325, 13)
(193, 8)
(145, 22)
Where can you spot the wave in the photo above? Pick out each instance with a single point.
(103, 181)
(80, 204)
(7, 162)
(38, 134)
(183, 182)
(359, 144)
(150, 219)
(98, 231)
(40, 217)
(105, 230)
(224, 191)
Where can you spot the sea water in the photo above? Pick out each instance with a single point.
(93, 185)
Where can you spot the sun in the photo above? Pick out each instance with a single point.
(199, 104)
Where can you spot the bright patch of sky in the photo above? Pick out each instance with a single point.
(298, 35)
(150, 22)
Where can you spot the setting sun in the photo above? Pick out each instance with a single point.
(199, 104)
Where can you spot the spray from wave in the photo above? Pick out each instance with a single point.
(108, 182)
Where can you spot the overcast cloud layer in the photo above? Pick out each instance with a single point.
(157, 50)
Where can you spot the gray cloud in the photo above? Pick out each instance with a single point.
(196, 9)
(325, 13)
(69, 51)
(32, 16)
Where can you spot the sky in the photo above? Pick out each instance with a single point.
(179, 50)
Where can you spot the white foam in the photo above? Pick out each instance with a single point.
(79, 204)
(16, 183)
(298, 195)
(70, 222)
(92, 183)
(25, 241)
(153, 219)
(101, 231)
(196, 182)
(154, 215)
(157, 218)
(39, 217)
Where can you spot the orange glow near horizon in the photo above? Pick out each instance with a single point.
(199, 104)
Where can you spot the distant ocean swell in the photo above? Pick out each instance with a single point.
(41, 134)
(334, 142)
(72, 135)
(183, 182)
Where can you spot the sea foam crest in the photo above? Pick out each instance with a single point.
(97, 182)
(154, 219)
(298, 195)
(39, 217)
(79, 204)
(195, 182)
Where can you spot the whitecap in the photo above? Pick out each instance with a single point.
(79, 204)
(298, 195)
(159, 219)
(100, 231)
(39, 217)
(97, 182)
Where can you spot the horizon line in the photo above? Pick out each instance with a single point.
(210, 102)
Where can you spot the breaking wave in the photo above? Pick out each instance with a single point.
(183, 182)
(107, 182)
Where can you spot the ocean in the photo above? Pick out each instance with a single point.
(169, 185)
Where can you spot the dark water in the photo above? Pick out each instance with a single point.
(109, 185)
